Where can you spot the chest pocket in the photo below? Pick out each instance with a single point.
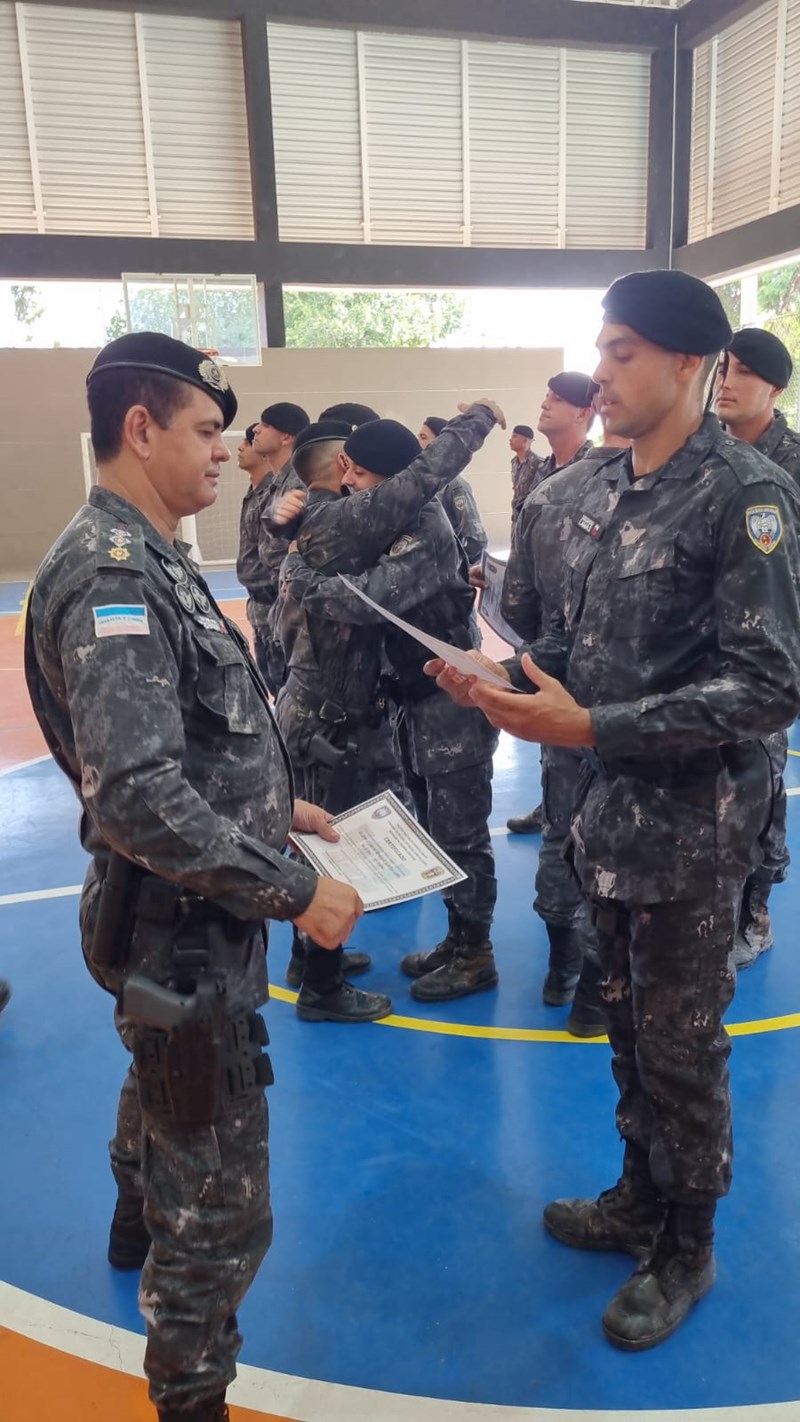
(224, 685)
(579, 555)
(645, 594)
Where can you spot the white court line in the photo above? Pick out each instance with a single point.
(309, 1401)
(35, 894)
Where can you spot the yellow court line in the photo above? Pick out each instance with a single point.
(20, 627)
(797, 753)
(529, 1034)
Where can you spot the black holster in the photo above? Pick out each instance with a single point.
(111, 938)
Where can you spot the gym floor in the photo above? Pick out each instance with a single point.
(411, 1277)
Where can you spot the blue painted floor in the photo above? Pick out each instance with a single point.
(409, 1168)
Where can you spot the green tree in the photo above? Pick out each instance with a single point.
(226, 320)
(731, 297)
(779, 308)
(324, 319)
(27, 308)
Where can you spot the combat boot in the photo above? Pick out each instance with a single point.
(627, 1218)
(212, 1411)
(666, 1285)
(416, 965)
(471, 968)
(352, 964)
(754, 934)
(128, 1239)
(5, 994)
(587, 1018)
(566, 961)
(342, 1003)
(527, 824)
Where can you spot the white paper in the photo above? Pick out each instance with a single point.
(494, 571)
(453, 656)
(382, 853)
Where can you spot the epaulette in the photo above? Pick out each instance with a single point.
(750, 466)
(119, 546)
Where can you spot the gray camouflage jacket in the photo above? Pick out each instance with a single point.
(251, 572)
(154, 709)
(458, 502)
(782, 445)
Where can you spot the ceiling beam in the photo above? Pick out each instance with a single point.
(765, 240)
(700, 20)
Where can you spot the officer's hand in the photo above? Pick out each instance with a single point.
(332, 913)
(553, 718)
(489, 405)
(458, 687)
(476, 578)
(312, 819)
(289, 507)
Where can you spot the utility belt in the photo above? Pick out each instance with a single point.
(193, 1056)
(335, 749)
(691, 770)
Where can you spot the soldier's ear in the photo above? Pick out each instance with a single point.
(136, 430)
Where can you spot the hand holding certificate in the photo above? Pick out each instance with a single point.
(382, 853)
(455, 657)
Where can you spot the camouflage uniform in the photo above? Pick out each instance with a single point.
(272, 545)
(782, 445)
(253, 574)
(162, 724)
(680, 630)
(458, 502)
(421, 578)
(523, 476)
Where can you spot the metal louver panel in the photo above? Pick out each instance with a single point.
(789, 191)
(745, 96)
(194, 85)
(414, 154)
(17, 201)
(87, 113)
(608, 124)
(701, 135)
(315, 110)
(513, 144)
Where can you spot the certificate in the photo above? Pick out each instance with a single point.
(494, 571)
(455, 657)
(382, 853)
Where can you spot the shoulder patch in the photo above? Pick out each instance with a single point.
(121, 620)
(401, 546)
(764, 526)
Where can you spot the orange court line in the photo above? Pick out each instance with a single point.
(44, 1383)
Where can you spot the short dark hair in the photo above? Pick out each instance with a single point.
(112, 393)
(312, 459)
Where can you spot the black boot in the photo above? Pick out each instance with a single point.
(586, 1018)
(416, 965)
(128, 1240)
(526, 824)
(628, 1217)
(5, 993)
(566, 961)
(471, 968)
(754, 934)
(666, 1285)
(343, 1003)
(212, 1411)
(353, 963)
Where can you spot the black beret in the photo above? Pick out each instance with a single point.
(353, 414)
(150, 350)
(285, 417)
(523, 430)
(672, 309)
(382, 447)
(764, 354)
(249, 432)
(320, 432)
(435, 424)
(574, 387)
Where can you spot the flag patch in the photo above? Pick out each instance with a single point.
(121, 620)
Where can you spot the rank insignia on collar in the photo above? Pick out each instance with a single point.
(121, 554)
(764, 526)
(120, 537)
(210, 372)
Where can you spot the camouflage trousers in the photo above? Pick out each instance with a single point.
(559, 898)
(775, 855)
(269, 659)
(459, 806)
(666, 990)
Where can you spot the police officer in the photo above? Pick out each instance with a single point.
(152, 706)
(458, 501)
(422, 577)
(258, 467)
(677, 647)
(565, 418)
(754, 371)
(336, 728)
(274, 437)
(524, 465)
